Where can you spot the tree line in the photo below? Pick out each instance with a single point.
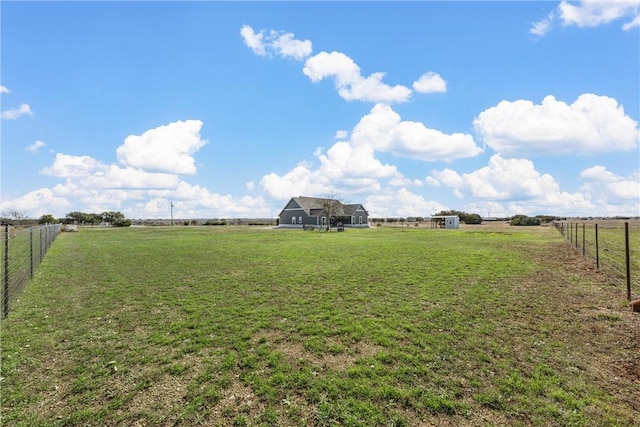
(112, 218)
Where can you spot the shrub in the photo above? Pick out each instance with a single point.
(525, 220)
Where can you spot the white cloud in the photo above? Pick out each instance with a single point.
(590, 13)
(298, 181)
(610, 188)
(384, 130)
(129, 178)
(516, 186)
(543, 26)
(632, 24)
(429, 83)
(4, 89)
(351, 166)
(33, 148)
(401, 203)
(167, 148)
(592, 124)
(432, 181)
(14, 113)
(276, 42)
(253, 40)
(67, 166)
(37, 203)
(287, 46)
(139, 192)
(341, 134)
(349, 81)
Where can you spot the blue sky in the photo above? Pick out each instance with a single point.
(230, 109)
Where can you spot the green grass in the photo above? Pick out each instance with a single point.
(213, 326)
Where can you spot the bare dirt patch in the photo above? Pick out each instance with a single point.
(589, 312)
(294, 352)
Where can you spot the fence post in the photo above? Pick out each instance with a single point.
(626, 244)
(584, 246)
(31, 251)
(41, 248)
(5, 300)
(570, 234)
(597, 250)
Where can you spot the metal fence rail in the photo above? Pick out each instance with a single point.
(22, 250)
(614, 246)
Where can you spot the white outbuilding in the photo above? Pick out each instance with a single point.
(451, 222)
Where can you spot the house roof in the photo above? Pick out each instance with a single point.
(315, 205)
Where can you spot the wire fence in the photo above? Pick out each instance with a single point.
(22, 250)
(614, 246)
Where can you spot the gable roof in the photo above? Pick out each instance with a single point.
(314, 206)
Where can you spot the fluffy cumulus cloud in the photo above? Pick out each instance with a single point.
(301, 180)
(512, 183)
(430, 82)
(590, 13)
(384, 130)
(619, 194)
(167, 148)
(35, 147)
(401, 203)
(14, 113)
(592, 124)
(4, 89)
(67, 166)
(351, 166)
(142, 185)
(350, 82)
(37, 203)
(347, 76)
(265, 43)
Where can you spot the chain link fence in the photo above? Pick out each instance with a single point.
(22, 250)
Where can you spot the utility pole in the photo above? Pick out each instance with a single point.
(172, 214)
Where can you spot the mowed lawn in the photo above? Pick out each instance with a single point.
(180, 326)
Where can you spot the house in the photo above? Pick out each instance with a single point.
(316, 211)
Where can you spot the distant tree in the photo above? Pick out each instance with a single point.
(473, 219)
(465, 217)
(547, 218)
(47, 219)
(76, 218)
(93, 219)
(525, 220)
(14, 214)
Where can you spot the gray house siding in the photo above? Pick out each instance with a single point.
(294, 215)
(301, 211)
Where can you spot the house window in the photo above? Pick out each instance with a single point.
(360, 220)
(324, 220)
(293, 220)
(299, 220)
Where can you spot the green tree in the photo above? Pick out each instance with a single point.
(116, 219)
(47, 219)
(465, 217)
(76, 217)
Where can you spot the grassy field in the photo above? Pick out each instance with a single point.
(383, 327)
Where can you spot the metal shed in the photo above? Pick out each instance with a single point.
(451, 222)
